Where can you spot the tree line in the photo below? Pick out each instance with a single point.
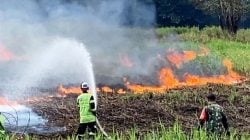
(228, 14)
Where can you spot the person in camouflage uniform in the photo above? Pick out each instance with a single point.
(213, 117)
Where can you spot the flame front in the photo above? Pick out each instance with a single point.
(4, 101)
(70, 90)
(77, 90)
(177, 58)
(168, 80)
(166, 76)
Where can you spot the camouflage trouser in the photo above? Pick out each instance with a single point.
(213, 133)
(218, 130)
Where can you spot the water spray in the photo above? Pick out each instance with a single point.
(65, 61)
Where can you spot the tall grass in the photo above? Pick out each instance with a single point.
(236, 48)
(172, 133)
(203, 35)
(237, 52)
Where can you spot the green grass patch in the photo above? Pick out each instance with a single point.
(172, 133)
(237, 52)
(203, 35)
(221, 44)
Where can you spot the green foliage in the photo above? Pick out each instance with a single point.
(232, 97)
(221, 44)
(205, 66)
(180, 13)
(203, 35)
(164, 32)
(214, 32)
(172, 133)
(245, 99)
(229, 12)
(237, 52)
(243, 35)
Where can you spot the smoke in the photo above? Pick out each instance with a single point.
(29, 30)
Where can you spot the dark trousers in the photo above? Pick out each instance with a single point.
(91, 128)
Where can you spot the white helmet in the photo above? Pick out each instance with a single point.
(84, 85)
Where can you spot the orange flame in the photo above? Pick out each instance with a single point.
(230, 78)
(177, 58)
(4, 101)
(125, 61)
(70, 90)
(121, 91)
(76, 90)
(107, 89)
(168, 80)
(141, 89)
(5, 54)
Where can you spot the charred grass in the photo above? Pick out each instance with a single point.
(150, 111)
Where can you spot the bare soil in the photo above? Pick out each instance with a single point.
(121, 112)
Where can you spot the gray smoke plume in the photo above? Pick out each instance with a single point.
(108, 29)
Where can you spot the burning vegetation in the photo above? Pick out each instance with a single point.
(5, 54)
(146, 110)
(121, 112)
(4, 101)
(166, 75)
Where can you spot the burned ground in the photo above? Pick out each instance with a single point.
(150, 110)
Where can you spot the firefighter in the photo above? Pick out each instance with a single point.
(87, 111)
(2, 130)
(213, 117)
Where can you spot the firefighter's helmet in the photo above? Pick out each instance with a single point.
(84, 85)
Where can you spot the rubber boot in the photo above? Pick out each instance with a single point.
(80, 137)
(91, 136)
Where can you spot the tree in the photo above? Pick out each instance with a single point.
(229, 12)
(180, 13)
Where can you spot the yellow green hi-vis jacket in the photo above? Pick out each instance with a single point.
(86, 112)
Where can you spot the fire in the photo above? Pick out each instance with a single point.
(77, 90)
(5, 54)
(106, 89)
(168, 80)
(70, 90)
(125, 61)
(35, 99)
(121, 91)
(177, 58)
(4, 101)
(140, 88)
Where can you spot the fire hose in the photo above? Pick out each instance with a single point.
(101, 128)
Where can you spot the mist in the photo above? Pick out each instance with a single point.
(109, 30)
